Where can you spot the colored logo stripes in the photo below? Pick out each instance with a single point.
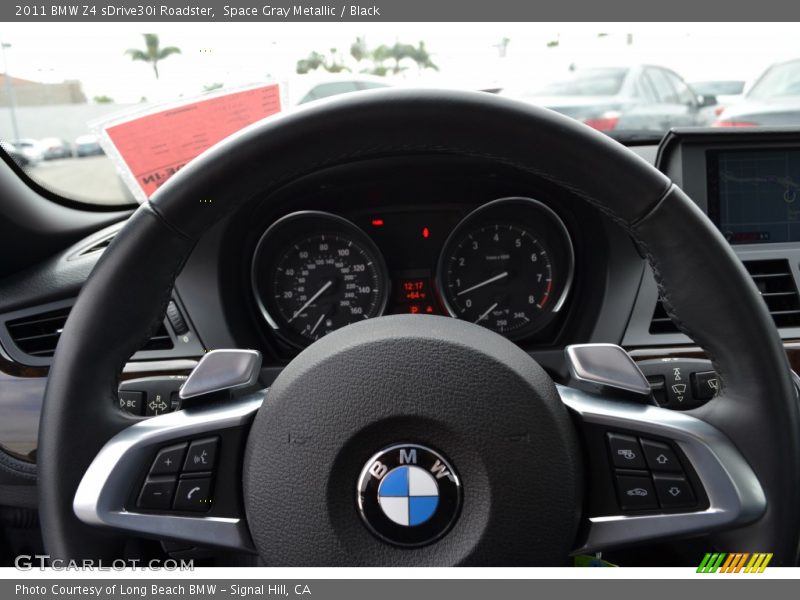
(735, 562)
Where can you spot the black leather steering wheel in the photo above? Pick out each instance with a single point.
(705, 289)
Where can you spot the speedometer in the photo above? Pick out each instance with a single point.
(314, 273)
(507, 266)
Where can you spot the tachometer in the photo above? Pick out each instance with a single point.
(314, 272)
(507, 266)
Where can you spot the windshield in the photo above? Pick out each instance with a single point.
(778, 81)
(106, 114)
(586, 82)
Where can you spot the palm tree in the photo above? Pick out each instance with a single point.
(359, 49)
(314, 61)
(153, 52)
(336, 65)
(420, 56)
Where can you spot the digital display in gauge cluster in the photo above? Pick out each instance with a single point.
(506, 266)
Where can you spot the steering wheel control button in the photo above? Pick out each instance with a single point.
(705, 385)
(176, 319)
(660, 457)
(636, 492)
(625, 451)
(193, 495)
(157, 493)
(132, 401)
(169, 460)
(408, 495)
(687, 382)
(201, 455)
(674, 491)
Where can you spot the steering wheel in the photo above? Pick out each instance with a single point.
(394, 410)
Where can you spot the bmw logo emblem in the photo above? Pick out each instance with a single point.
(409, 495)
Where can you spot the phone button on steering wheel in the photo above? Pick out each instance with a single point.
(193, 495)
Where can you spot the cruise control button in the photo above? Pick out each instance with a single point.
(660, 457)
(193, 495)
(625, 451)
(156, 494)
(636, 492)
(168, 460)
(705, 385)
(201, 455)
(674, 491)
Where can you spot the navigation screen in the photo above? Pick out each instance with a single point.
(754, 195)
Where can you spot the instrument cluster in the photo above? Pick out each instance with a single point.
(507, 265)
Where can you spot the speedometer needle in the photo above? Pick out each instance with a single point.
(311, 300)
(486, 314)
(314, 328)
(483, 283)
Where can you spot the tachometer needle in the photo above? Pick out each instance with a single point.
(311, 300)
(483, 283)
(486, 314)
(314, 328)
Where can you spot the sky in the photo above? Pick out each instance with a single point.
(242, 53)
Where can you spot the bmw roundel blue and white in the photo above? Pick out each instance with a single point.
(408, 495)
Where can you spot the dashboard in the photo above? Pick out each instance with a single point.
(747, 183)
(429, 235)
(467, 239)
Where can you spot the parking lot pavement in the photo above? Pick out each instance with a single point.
(91, 179)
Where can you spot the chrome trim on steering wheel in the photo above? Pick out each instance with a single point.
(734, 493)
(105, 488)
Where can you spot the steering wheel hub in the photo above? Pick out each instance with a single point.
(408, 494)
(427, 393)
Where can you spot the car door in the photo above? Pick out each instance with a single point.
(676, 104)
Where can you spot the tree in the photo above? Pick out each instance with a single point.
(153, 53)
(398, 53)
(213, 86)
(336, 65)
(380, 54)
(359, 49)
(502, 47)
(317, 60)
(314, 61)
(103, 100)
(420, 56)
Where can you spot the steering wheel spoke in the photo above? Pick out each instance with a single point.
(653, 473)
(178, 476)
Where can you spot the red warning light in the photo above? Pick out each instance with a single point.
(377, 222)
(426, 233)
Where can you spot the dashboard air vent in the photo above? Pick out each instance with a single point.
(37, 335)
(774, 280)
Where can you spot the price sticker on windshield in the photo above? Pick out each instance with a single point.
(150, 147)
